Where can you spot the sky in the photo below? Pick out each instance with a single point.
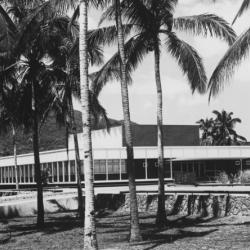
(180, 106)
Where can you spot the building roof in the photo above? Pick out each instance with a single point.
(174, 135)
(53, 137)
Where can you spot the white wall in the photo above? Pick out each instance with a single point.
(102, 138)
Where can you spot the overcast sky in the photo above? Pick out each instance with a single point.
(179, 105)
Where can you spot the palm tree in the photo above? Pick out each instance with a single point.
(134, 220)
(153, 20)
(232, 58)
(27, 54)
(10, 111)
(90, 240)
(66, 76)
(207, 128)
(224, 128)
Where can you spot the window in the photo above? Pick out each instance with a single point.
(72, 171)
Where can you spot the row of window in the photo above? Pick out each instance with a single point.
(63, 171)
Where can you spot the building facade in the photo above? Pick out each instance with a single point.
(185, 161)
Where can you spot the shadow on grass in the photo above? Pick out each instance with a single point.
(52, 225)
(158, 238)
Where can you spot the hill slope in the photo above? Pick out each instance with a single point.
(52, 137)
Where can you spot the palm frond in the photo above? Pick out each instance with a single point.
(73, 19)
(189, 61)
(64, 6)
(98, 113)
(107, 35)
(242, 138)
(108, 14)
(244, 6)
(225, 68)
(206, 24)
(137, 13)
(8, 32)
(135, 50)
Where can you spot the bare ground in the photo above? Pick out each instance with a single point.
(64, 231)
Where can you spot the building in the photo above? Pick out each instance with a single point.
(186, 162)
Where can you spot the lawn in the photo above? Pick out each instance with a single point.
(64, 231)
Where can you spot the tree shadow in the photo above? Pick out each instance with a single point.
(177, 205)
(52, 225)
(159, 238)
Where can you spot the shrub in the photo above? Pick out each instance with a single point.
(222, 177)
(245, 178)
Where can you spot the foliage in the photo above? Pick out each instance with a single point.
(232, 58)
(221, 130)
(152, 22)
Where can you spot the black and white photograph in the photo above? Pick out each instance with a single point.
(124, 124)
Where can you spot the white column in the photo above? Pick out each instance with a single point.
(52, 172)
(24, 173)
(107, 171)
(57, 171)
(63, 170)
(20, 173)
(146, 164)
(171, 169)
(120, 165)
(28, 166)
(1, 174)
(8, 174)
(241, 170)
(69, 178)
(33, 172)
(76, 172)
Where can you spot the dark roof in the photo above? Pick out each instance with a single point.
(174, 135)
(54, 137)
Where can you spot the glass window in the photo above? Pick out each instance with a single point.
(82, 170)
(26, 173)
(60, 165)
(72, 171)
(167, 173)
(152, 169)
(66, 173)
(113, 169)
(55, 171)
(100, 170)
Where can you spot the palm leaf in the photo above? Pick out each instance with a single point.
(135, 50)
(8, 32)
(189, 61)
(243, 8)
(107, 35)
(225, 69)
(206, 24)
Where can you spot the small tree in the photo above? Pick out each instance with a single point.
(221, 130)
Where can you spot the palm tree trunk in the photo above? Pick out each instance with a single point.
(15, 155)
(78, 161)
(40, 207)
(90, 240)
(161, 212)
(135, 234)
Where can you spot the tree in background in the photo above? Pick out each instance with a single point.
(221, 130)
(207, 128)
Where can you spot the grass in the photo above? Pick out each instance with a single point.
(64, 231)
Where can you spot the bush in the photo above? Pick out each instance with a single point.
(222, 177)
(245, 178)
